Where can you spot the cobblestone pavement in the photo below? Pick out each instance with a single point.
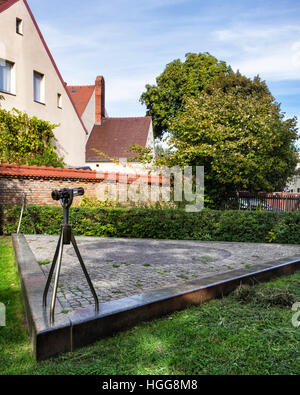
(125, 267)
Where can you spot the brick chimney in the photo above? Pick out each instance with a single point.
(100, 100)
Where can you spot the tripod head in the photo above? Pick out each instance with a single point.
(66, 195)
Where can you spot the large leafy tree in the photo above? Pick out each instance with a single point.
(164, 101)
(26, 140)
(236, 130)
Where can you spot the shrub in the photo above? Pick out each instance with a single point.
(243, 226)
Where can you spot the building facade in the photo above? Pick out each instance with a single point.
(109, 135)
(31, 82)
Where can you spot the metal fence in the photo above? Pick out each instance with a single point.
(266, 202)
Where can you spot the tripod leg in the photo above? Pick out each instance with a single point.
(85, 272)
(51, 272)
(20, 220)
(53, 300)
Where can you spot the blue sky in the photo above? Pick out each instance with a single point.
(129, 42)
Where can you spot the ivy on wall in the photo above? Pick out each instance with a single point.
(26, 140)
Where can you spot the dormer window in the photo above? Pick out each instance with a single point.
(19, 26)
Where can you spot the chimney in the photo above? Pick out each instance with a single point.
(100, 100)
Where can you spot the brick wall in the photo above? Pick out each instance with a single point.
(38, 183)
(38, 191)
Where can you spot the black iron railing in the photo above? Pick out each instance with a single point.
(266, 202)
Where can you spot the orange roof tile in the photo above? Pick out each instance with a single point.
(11, 170)
(81, 95)
(43, 171)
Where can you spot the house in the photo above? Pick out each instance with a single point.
(110, 136)
(31, 82)
(294, 184)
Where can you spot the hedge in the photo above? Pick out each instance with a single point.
(246, 226)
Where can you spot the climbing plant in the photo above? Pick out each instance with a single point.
(27, 140)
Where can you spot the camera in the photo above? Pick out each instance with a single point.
(67, 193)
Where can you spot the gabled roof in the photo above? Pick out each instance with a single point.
(5, 4)
(81, 95)
(115, 136)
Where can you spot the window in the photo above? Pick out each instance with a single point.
(59, 100)
(7, 77)
(19, 26)
(38, 87)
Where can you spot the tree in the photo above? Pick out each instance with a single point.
(236, 130)
(26, 140)
(164, 101)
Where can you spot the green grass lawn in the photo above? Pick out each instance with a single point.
(245, 333)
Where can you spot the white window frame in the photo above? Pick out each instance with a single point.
(11, 84)
(39, 91)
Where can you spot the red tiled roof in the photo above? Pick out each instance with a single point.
(4, 4)
(115, 136)
(10, 170)
(45, 172)
(81, 96)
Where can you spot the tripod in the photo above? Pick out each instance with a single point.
(24, 208)
(66, 238)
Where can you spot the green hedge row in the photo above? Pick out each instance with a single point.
(247, 226)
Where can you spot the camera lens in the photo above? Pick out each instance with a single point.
(55, 195)
(78, 191)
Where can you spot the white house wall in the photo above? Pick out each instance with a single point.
(129, 168)
(28, 53)
(150, 138)
(88, 116)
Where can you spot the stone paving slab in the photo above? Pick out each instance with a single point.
(124, 267)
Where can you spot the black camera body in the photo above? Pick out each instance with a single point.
(66, 196)
(67, 193)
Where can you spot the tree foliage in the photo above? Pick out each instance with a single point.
(236, 130)
(164, 101)
(26, 140)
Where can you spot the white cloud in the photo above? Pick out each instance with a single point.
(272, 52)
(122, 89)
(131, 42)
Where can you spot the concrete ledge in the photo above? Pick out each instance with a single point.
(84, 326)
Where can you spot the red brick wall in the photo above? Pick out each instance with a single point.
(38, 183)
(38, 191)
